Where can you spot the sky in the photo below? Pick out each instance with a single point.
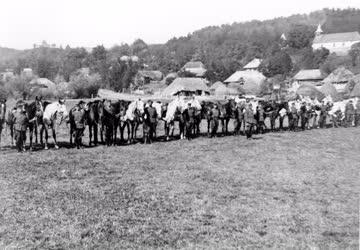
(89, 23)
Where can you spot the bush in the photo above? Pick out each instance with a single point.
(85, 86)
(19, 87)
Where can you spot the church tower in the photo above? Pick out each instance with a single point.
(319, 30)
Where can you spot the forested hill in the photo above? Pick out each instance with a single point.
(226, 48)
(223, 49)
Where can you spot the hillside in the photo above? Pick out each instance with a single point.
(223, 49)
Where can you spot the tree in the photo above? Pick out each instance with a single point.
(98, 61)
(73, 60)
(300, 36)
(278, 64)
(354, 53)
(85, 86)
(320, 56)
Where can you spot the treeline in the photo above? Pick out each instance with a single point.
(223, 49)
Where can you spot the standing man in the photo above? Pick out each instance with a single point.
(214, 123)
(349, 113)
(239, 117)
(294, 118)
(261, 119)
(2, 115)
(249, 121)
(357, 113)
(189, 121)
(21, 122)
(323, 114)
(151, 116)
(303, 115)
(79, 120)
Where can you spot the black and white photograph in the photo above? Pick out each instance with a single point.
(179, 124)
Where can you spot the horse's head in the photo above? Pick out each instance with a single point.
(140, 107)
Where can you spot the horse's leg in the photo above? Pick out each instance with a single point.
(95, 127)
(41, 134)
(128, 127)
(36, 132)
(102, 132)
(71, 135)
(90, 132)
(31, 130)
(54, 136)
(46, 137)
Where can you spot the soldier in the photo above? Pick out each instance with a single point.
(21, 122)
(323, 114)
(357, 113)
(190, 121)
(214, 123)
(79, 120)
(239, 117)
(260, 113)
(249, 121)
(349, 113)
(303, 115)
(151, 120)
(294, 118)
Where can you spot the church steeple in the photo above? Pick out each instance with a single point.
(319, 30)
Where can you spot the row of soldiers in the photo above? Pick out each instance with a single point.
(245, 117)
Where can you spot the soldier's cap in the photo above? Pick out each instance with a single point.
(150, 101)
(81, 102)
(62, 101)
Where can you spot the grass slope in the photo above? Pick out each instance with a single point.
(283, 190)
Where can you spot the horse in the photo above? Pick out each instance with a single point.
(133, 118)
(34, 111)
(227, 112)
(50, 115)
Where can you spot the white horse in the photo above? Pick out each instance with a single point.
(133, 117)
(51, 113)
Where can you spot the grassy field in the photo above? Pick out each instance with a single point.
(282, 190)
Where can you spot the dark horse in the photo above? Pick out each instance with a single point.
(34, 111)
(227, 112)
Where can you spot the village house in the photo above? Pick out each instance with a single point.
(247, 80)
(339, 43)
(308, 76)
(27, 72)
(196, 68)
(253, 65)
(7, 75)
(187, 86)
(147, 76)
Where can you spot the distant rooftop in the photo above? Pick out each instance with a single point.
(337, 37)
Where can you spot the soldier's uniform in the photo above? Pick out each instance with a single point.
(21, 122)
(249, 121)
(190, 121)
(239, 117)
(294, 120)
(2, 113)
(357, 114)
(349, 113)
(214, 123)
(303, 116)
(151, 120)
(323, 115)
(261, 119)
(79, 121)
